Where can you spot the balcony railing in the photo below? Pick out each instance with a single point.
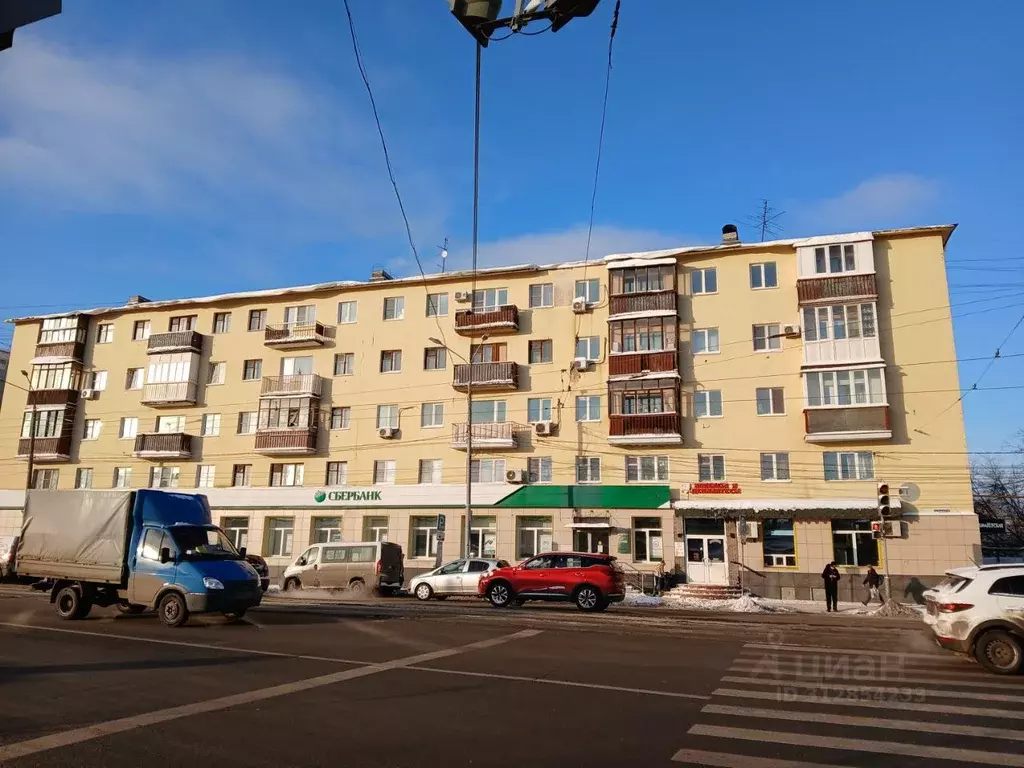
(170, 393)
(301, 441)
(293, 384)
(60, 351)
(295, 335)
(496, 320)
(865, 422)
(859, 349)
(836, 287)
(635, 363)
(645, 428)
(163, 445)
(54, 397)
(663, 301)
(175, 341)
(486, 376)
(46, 448)
(486, 436)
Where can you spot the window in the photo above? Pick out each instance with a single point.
(104, 333)
(221, 322)
(588, 469)
(483, 541)
(286, 475)
(539, 469)
(252, 370)
(347, 312)
(647, 401)
(237, 530)
(1012, 586)
(589, 290)
(216, 372)
(644, 334)
(326, 530)
(49, 423)
(182, 323)
(241, 476)
(337, 473)
(774, 466)
(704, 341)
(133, 379)
(540, 351)
(257, 319)
(246, 422)
(280, 535)
(435, 358)
(646, 469)
(589, 347)
(391, 361)
(488, 353)
(394, 308)
(45, 479)
(92, 429)
(97, 380)
(170, 424)
(432, 415)
(300, 315)
(778, 543)
(164, 477)
(853, 544)
(704, 280)
(533, 535)
(384, 472)
(344, 364)
(767, 337)
(538, 409)
(387, 416)
(83, 477)
(643, 279)
(430, 471)
(172, 368)
(488, 470)
(647, 541)
(707, 403)
(710, 467)
(849, 465)
(55, 376)
(140, 331)
(858, 387)
(375, 529)
(129, 428)
(60, 329)
(341, 417)
(437, 304)
(542, 295)
(836, 258)
(489, 411)
(210, 426)
(588, 408)
(841, 321)
(422, 536)
(771, 401)
(489, 299)
(206, 476)
(288, 413)
(764, 275)
(122, 477)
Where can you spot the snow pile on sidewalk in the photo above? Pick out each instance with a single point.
(745, 604)
(892, 608)
(635, 597)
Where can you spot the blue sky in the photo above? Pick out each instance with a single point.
(175, 149)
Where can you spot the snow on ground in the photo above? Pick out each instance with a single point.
(752, 604)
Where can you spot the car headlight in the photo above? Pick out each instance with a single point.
(211, 583)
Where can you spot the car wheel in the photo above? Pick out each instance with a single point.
(602, 606)
(1000, 652)
(424, 592)
(292, 585)
(172, 609)
(357, 588)
(235, 615)
(500, 595)
(70, 605)
(587, 598)
(131, 609)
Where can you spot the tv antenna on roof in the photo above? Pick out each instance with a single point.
(766, 221)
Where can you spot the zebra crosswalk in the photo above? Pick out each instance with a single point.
(812, 707)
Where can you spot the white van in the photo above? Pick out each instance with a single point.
(359, 568)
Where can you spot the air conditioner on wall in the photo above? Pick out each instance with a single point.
(462, 296)
(387, 433)
(89, 394)
(581, 364)
(544, 428)
(791, 331)
(515, 476)
(579, 305)
(751, 531)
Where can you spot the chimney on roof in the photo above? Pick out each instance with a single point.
(380, 274)
(729, 235)
(133, 300)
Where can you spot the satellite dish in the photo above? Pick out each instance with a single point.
(909, 492)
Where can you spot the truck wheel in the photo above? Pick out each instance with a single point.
(70, 605)
(1000, 652)
(131, 609)
(172, 609)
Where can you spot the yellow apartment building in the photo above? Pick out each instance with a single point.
(728, 408)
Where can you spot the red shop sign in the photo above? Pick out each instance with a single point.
(714, 488)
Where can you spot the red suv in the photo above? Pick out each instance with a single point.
(590, 581)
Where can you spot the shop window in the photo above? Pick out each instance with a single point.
(778, 543)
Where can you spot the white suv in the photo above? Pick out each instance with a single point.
(980, 611)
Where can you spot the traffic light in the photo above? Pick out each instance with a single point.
(477, 16)
(876, 530)
(884, 507)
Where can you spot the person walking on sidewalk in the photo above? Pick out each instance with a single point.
(661, 578)
(873, 581)
(831, 578)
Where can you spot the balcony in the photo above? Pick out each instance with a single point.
(292, 442)
(66, 397)
(295, 335)
(815, 289)
(46, 449)
(170, 393)
(628, 303)
(842, 351)
(174, 341)
(636, 363)
(471, 322)
(830, 425)
(163, 445)
(305, 384)
(59, 352)
(645, 429)
(486, 376)
(486, 436)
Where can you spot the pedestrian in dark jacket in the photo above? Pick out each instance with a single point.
(873, 581)
(831, 578)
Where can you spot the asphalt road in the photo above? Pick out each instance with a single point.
(404, 684)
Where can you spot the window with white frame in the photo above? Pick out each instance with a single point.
(774, 466)
(589, 347)
(92, 429)
(140, 330)
(646, 469)
(853, 543)
(97, 380)
(704, 280)
(435, 358)
(432, 415)
(237, 530)
(347, 312)
(643, 279)
(122, 477)
(387, 417)
(394, 308)
(337, 473)
(391, 361)
(241, 475)
(211, 425)
(280, 536)
(834, 259)
(422, 536)
(767, 337)
(171, 424)
(542, 295)
(286, 475)
(83, 477)
(588, 469)
(341, 417)
(104, 333)
(643, 334)
(489, 411)
(778, 543)
(49, 422)
(437, 304)
(839, 321)
(856, 387)
(55, 330)
(538, 468)
(483, 539)
(164, 477)
(849, 465)
(288, 413)
(533, 536)
(326, 530)
(707, 403)
(704, 341)
(344, 364)
(384, 472)
(45, 479)
(589, 290)
(247, 421)
(647, 539)
(710, 467)
(764, 275)
(300, 315)
(487, 470)
(216, 373)
(375, 528)
(206, 476)
(771, 401)
(129, 428)
(538, 409)
(588, 408)
(182, 323)
(487, 299)
(430, 471)
(176, 367)
(55, 376)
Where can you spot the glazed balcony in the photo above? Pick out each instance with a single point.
(174, 341)
(306, 384)
(170, 393)
(486, 376)
(163, 445)
(486, 436)
(645, 429)
(472, 322)
(628, 303)
(830, 425)
(46, 449)
(66, 397)
(295, 335)
(637, 363)
(300, 441)
(859, 349)
(823, 289)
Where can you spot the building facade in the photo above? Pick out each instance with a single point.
(5, 362)
(729, 409)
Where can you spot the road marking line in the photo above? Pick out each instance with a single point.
(819, 649)
(87, 733)
(871, 676)
(910, 706)
(894, 690)
(722, 760)
(866, 722)
(860, 745)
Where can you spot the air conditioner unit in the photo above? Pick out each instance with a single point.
(387, 433)
(544, 428)
(791, 331)
(90, 394)
(516, 476)
(581, 364)
(751, 531)
(579, 305)
(462, 296)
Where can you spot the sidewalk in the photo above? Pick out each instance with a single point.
(750, 604)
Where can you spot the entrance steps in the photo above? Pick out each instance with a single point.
(707, 591)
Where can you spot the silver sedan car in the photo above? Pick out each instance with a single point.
(459, 577)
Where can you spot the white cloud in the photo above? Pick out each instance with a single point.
(882, 201)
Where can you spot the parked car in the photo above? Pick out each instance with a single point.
(459, 577)
(979, 611)
(591, 581)
(260, 566)
(359, 568)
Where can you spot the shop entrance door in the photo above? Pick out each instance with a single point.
(706, 561)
